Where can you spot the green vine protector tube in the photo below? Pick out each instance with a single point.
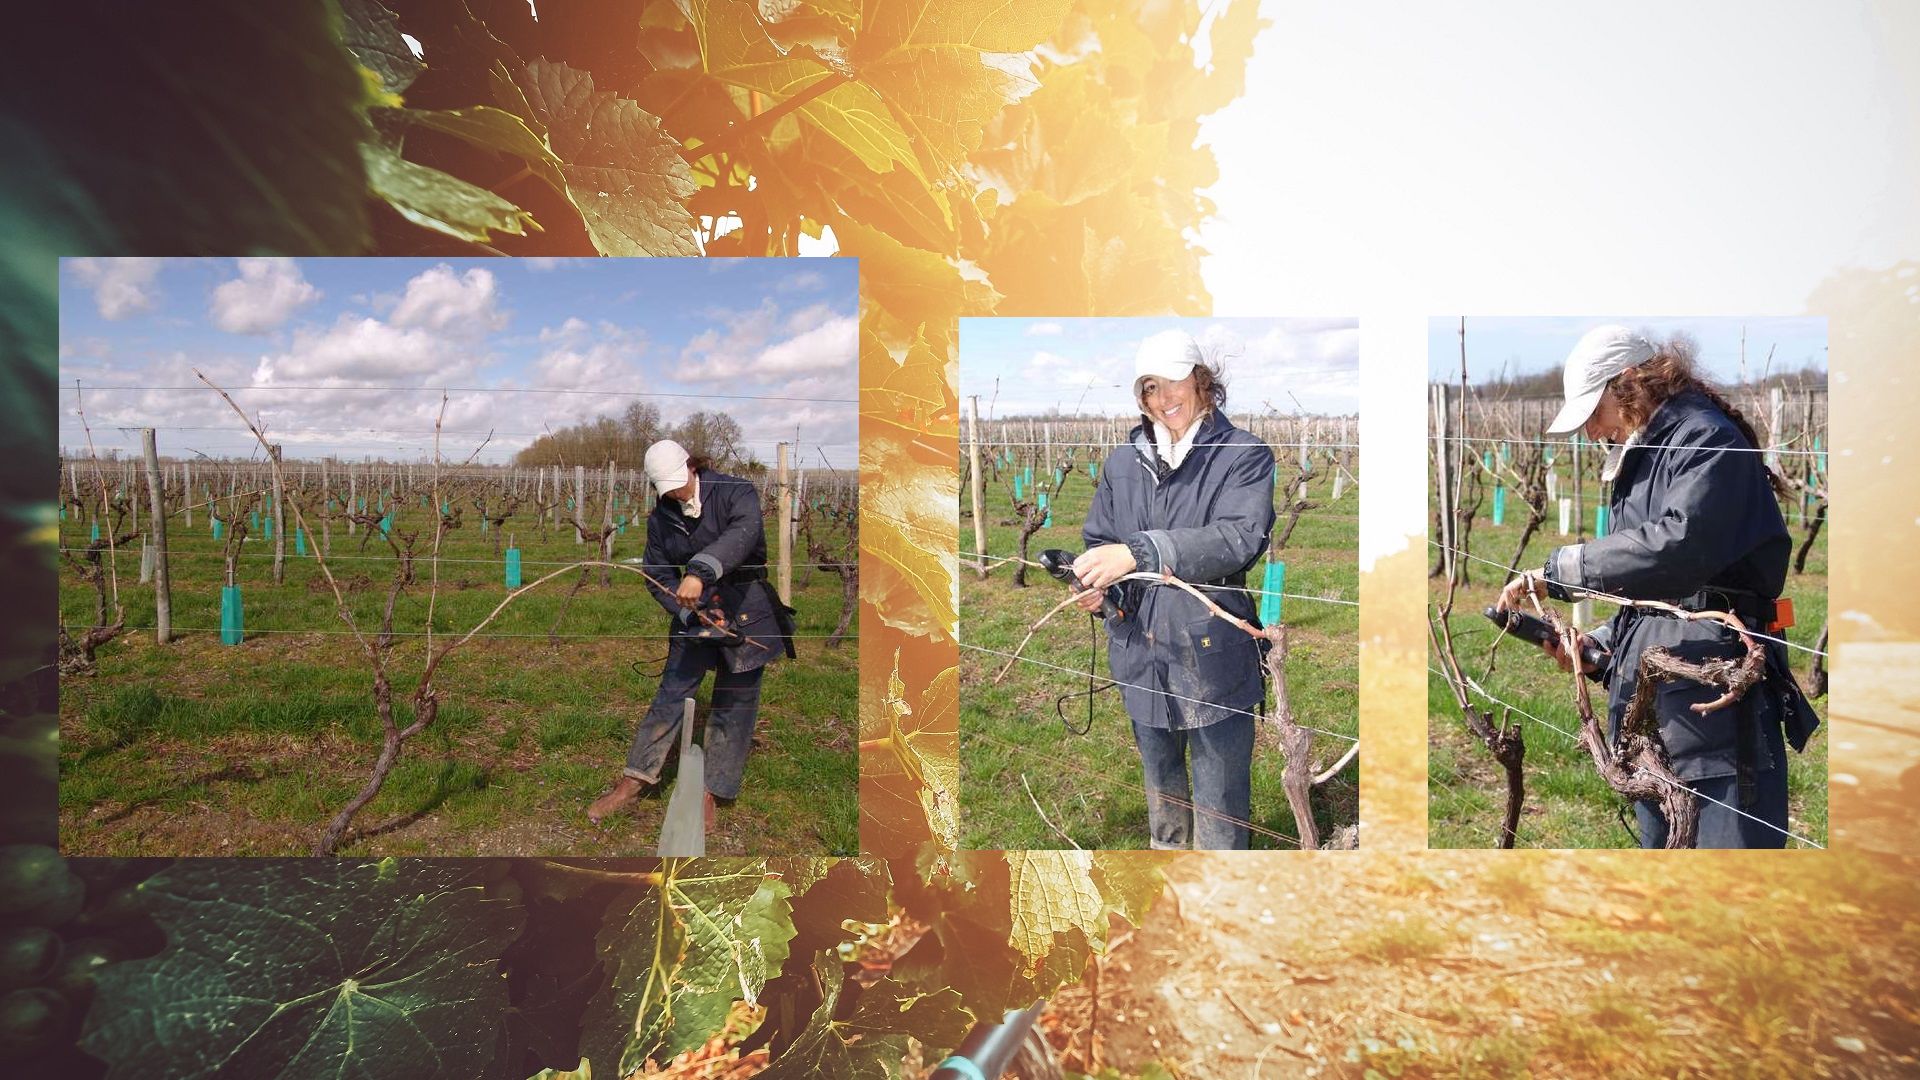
(232, 626)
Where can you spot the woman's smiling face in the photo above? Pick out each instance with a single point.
(1173, 403)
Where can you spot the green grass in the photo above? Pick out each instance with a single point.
(1090, 785)
(200, 748)
(1567, 804)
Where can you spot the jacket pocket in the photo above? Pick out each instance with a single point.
(1223, 662)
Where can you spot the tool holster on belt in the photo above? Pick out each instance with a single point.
(1758, 613)
(742, 579)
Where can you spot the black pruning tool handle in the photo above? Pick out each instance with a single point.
(1535, 629)
(1059, 563)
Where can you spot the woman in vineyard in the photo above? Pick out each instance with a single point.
(706, 531)
(1695, 523)
(1190, 495)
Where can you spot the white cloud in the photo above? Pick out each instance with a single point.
(1045, 329)
(541, 263)
(364, 349)
(804, 281)
(121, 287)
(604, 366)
(816, 341)
(440, 299)
(572, 330)
(265, 295)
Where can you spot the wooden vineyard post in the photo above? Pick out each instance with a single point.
(279, 520)
(157, 530)
(607, 531)
(1441, 463)
(977, 489)
(579, 501)
(784, 517)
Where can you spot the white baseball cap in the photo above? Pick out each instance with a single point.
(666, 465)
(1169, 354)
(1599, 355)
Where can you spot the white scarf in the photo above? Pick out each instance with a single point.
(691, 507)
(1174, 451)
(1617, 454)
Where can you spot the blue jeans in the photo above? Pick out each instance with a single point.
(1720, 827)
(730, 717)
(1221, 759)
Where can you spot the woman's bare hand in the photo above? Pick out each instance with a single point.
(1517, 591)
(1100, 567)
(1090, 600)
(689, 592)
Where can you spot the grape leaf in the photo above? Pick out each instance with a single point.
(909, 570)
(623, 172)
(494, 129)
(913, 395)
(372, 34)
(583, 1071)
(297, 968)
(870, 1041)
(436, 200)
(735, 49)
(712, 933)
(1049, 893)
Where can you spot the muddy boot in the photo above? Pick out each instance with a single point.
(626, 791)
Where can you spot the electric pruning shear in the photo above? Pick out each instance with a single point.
(1060, 564)
(718, 632)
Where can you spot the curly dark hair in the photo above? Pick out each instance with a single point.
(1643, 388)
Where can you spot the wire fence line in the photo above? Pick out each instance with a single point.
(105, 387)
(1610, 598)
(130, 553)
(1482, 692)
(994, 560)
(1489, 439)
(1070, 767)
(1148, 689)
(252, 630)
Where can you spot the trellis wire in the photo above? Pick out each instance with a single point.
(1476, 688)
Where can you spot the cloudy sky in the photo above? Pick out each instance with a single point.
(347, 356)
(1085, 366)
(1526, 344)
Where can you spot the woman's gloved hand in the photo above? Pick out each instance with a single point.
(689, 593)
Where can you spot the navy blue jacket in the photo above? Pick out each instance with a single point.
(727, 536)
(1691, 510)
(1207, 522)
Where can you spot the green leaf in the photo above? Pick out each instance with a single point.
(439, 201)
(735, 49)
(713, 933)
(1050, 893)
(582, 1071)
(870, 1041)
(372, 34)
(1130, 881)
(494, 129)
(622, 171)
(309, 968)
